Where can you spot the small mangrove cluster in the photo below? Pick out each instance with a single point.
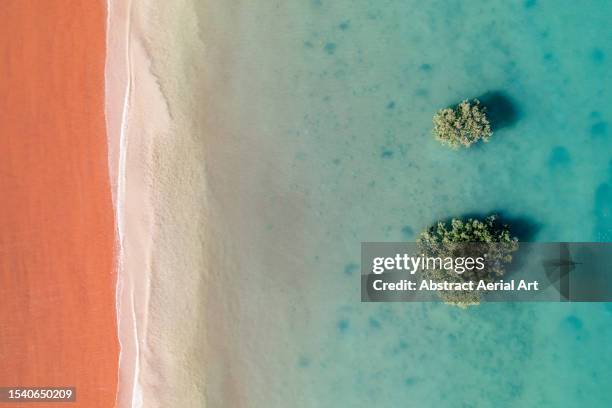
(462, 125)
(486, 238)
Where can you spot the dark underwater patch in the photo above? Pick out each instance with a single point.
(410, 381)
(502, 110)
(573, 322)
(559, 156)
(330, 48)
(344, 25)
(407, 231)
(599, 128)
(529, 3)
(603, 213)
(597, 56)
(303, 362)
(351, 268)
(386, 154)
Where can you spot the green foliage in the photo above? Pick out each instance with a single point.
(462, 125)
(468, 238)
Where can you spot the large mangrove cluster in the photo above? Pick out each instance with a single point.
(486, 238)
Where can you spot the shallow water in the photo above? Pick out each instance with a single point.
(337, 150)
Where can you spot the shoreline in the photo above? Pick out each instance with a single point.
(145, 165)
(116, 75)
(128, 162)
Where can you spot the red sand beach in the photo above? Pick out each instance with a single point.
(57, 300)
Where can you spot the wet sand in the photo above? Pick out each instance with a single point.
(161, 204)
(57, 297)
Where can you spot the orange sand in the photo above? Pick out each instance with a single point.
(57, 302)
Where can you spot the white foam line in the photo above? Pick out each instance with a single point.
(136, 400)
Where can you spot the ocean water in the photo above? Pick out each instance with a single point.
(320, 139)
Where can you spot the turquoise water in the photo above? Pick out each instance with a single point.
(342, 94)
